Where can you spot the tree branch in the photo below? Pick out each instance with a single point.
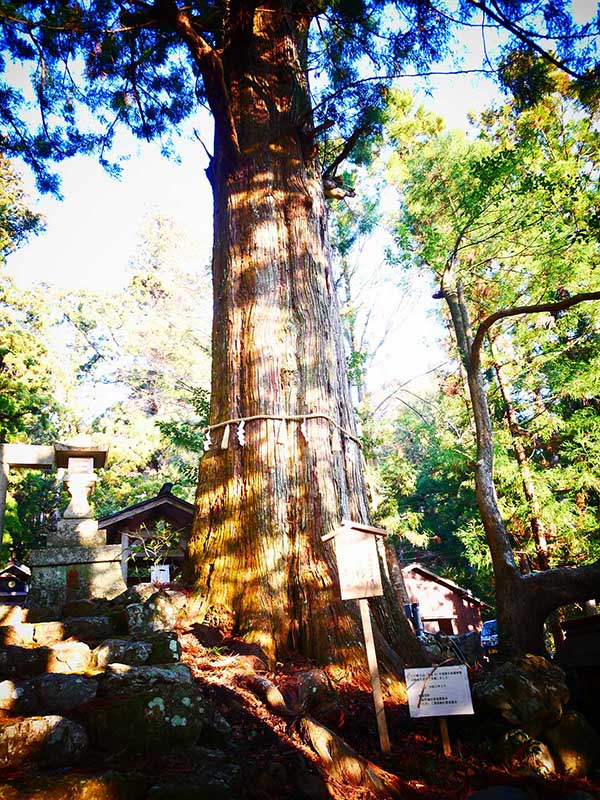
(209, 63)
(344, 153)
(525, 38)
(564, 585)
(537, 308)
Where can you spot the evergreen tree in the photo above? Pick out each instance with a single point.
(508, 224)
(256, 551)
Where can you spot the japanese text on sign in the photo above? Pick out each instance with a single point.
(438, 691)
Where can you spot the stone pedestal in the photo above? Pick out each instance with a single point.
(62, 574)
(77, 532)
(77, 564)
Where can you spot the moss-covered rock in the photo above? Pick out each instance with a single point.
(151, 721)
(121, 651)
(125, 679)
(23, 662)
(52, 693)
(528, 693)
(69, 656)
(526, 755)
(165, 647)
(89, 629)
(574, 744)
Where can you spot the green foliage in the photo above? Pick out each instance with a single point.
(153, 546)
(141, 350)
(27, 371)
(427, 493)
(128, 64)
(17, 221)
(32, 506)
(512, 214)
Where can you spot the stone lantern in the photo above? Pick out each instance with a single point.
(77, 563)
(79, 457)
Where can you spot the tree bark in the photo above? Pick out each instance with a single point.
(255, 553)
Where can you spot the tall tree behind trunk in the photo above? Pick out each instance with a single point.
(523, 601)
(538, 528)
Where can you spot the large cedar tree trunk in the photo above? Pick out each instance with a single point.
(255, 553)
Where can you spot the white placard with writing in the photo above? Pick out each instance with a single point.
(358, 564)
(438, 691)
(160, 573)
(80, 466)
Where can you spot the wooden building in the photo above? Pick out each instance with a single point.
(444, 606)
(138, 522)
(14, 583)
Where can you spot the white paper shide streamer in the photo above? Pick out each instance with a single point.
(241, 433)
(281, 430)
(225, 439)
(282, 437)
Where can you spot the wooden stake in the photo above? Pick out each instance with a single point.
(365, 616)
(445, 737)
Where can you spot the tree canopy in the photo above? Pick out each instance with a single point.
(147, 65)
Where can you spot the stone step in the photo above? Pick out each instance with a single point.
(50, 693)
(90, 630)
(121, 651)
(69, 656)
(23, 662)
(152, 721)
(27, 634)
(47, 741)
(119, 679)
(11, 615)
(107, 786)
(28, 661)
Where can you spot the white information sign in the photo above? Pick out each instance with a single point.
(80, 466)
(438, 691)
(358, 564)
(160, 573)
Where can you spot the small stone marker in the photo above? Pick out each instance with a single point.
(439, 692)
(360, 577)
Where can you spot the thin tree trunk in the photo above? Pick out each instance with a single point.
(523, 602)
(538, 528)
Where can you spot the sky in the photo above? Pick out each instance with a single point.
(91, 234)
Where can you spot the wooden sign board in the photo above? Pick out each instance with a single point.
(358, 565)
(357, 560)
(438, 691)
(360, 577)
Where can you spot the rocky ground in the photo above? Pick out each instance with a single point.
(124, 701)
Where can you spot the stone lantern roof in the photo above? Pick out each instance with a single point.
(81, 446)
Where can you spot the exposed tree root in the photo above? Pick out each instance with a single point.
(340, 761)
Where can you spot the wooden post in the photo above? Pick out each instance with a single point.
(445, 737)
(365, 615)
(4, 470)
